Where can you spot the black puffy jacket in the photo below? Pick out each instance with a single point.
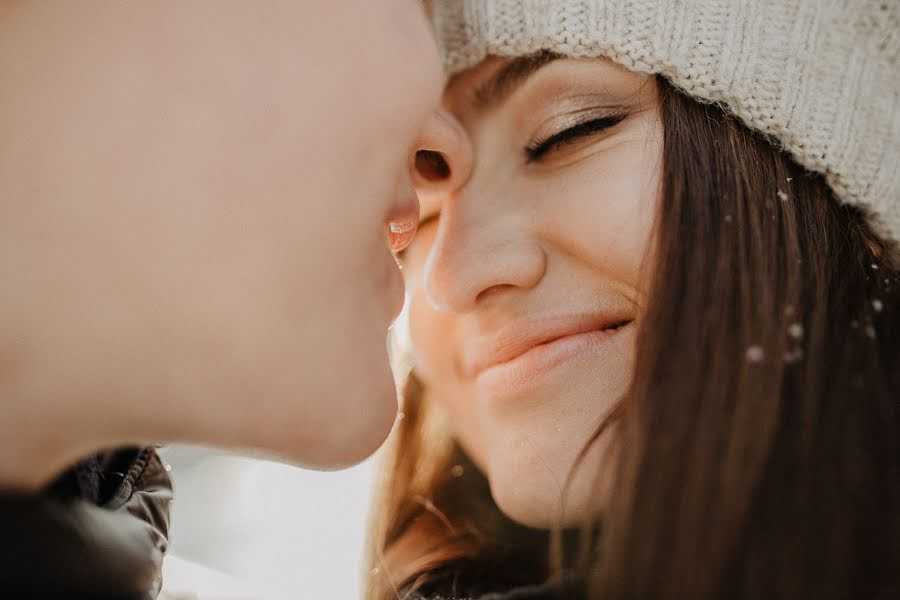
(99, 531)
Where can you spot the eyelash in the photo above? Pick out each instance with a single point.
(537, 150)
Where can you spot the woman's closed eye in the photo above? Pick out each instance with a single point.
(537, 150)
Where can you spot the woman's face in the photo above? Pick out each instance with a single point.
(528, 277)
(193, 207)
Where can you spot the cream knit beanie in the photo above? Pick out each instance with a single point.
(820, 76)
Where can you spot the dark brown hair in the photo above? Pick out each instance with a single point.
(759, 443)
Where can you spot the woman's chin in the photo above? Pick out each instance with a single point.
(537, 500)
(538, 488)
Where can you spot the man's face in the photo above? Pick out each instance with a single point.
(194, 203)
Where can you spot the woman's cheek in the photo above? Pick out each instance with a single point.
(436, 349)
(428, 336)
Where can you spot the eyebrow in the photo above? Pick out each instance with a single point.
(510, 78)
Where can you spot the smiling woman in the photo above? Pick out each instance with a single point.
(645, 339)
(531, 305)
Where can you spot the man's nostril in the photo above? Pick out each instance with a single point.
(432, 166)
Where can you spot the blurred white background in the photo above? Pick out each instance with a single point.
(251, 529)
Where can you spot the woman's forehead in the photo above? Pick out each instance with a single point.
(491, 82)
(468, 86)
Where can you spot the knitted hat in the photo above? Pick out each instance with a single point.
(820, 76)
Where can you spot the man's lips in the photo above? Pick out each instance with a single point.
(402, 223)
(517, 338)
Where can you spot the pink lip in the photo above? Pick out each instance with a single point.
(518, 366)
(405, 211)
(524, 337)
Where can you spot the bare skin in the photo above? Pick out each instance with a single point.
(529, 273)
(194, 199)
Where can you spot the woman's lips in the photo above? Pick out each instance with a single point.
(515, 361)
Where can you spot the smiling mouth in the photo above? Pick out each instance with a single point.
(548, 342)
(520, 371)
(511, 345)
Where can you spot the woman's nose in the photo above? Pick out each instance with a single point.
(481, 256)
(480, 247)
(441, 160)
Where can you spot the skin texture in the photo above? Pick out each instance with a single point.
(193, 209)
(522, 244)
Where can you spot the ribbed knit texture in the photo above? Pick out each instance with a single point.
(822, 77)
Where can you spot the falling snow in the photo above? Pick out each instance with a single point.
(755, 354)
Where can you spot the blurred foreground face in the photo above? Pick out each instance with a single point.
(193, 207)
(528, 275)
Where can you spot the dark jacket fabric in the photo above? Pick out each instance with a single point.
(99, 531)
(558, 588)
